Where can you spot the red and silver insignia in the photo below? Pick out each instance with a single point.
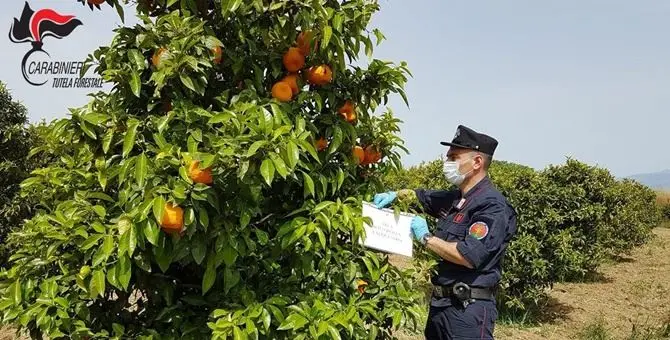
(459, 218)
(461, 203)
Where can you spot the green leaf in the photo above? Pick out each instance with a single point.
(141, 169)
(267, 171)
(334, 334)
(132, 240)
(327, 33)
(337, 140)
(192, 144)
(150, 231)
(199, 250)
(210, 275)
(88, 129)
(293, 321)
(97, 285)
(309, 184)
(123, 271)
(187, 81)
(105, 251)
(255, 146)
(129, 139)
(293, 154)
(118, 329)
(279, 164)
(229, 255)
(230, 279)
(16, 292)
(91, 241)
(95, 118)
(203, 218)
(159, 203)
(340, 178)
(107, 140)
(136, 57)
(135, 83)
(100, 210)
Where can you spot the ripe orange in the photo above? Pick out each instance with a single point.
(158, 56)
(293, 59)
(200, 176)
(95, 2)
(321, 144)
(282, 91)
(360, 284)
(172, 219)
(167, 105)
(348, 112)
(305, 41)
(359, 154)
(292, 81)
(217, 54)
(319, 75)
(372, 155)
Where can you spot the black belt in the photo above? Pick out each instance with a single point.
(464, 292)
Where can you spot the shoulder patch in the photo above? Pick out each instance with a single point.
(478, 230)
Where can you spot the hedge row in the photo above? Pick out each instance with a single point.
(570, 218)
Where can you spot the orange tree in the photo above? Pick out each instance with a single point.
(215, 191)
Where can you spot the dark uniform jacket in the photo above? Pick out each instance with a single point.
(482, 222)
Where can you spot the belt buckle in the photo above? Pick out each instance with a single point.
(462, 292)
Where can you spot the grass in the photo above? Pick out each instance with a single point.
(598, 330)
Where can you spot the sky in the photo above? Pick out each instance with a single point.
(548, 79)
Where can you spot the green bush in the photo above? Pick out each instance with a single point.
(16, 139)
(570, 218)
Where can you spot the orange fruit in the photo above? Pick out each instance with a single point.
(292, 81)
(217, 54)
(167, 105)
(360, 284)
(158, 56)
(282, 91)
(305, 41)
(293, 59)
(359, 154)
(173, 218)
(321, 144)
(319, 75)
(200, 176)
(372, 155)
(95, 2)
(348, 112)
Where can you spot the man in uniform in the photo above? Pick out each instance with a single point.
(475, 225)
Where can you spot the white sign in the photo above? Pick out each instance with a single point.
(388, 233)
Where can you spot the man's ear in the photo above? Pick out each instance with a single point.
(479, 161)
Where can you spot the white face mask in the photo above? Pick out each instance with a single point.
(451, 172)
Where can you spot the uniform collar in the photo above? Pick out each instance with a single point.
(483, 183)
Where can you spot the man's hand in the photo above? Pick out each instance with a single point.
(419, 227)
(384, 199)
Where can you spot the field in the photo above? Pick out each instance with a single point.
(627, 300)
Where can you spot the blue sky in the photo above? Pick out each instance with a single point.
(549, 79)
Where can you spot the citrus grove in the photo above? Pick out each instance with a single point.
(216, 190)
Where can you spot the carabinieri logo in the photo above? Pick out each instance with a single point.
(33, 27)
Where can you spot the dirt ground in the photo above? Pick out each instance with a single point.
(634, 291)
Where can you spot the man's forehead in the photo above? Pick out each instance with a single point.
(454, 151)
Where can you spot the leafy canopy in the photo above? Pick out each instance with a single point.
(129, 245)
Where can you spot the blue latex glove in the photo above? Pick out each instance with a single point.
(419, 227)
(384, 199)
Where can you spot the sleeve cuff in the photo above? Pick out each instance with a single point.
(471, 249)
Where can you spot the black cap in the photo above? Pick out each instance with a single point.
(471, 139)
